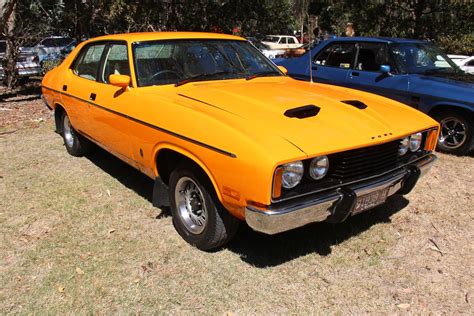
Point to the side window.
(291, 40)
(470, 63)
(87, 66)
(371, 56)
(116, 62)
(340, 55)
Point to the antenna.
(310, 65)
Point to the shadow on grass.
(262, 250)
(31, 90)
(127, 175)
(258, 249)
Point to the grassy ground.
(80, 235)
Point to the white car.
(457, 59)
(281, 42)
(27, 64)
(51, 45)
(467, 65)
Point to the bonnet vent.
(303, 111)
(356, 103)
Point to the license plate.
(370, 200)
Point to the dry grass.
(80, 235)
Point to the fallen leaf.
(136, 280)
(79, 271)
(60, 289)
(108, 192)
(110, 232)
(403, 306)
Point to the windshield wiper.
(202, 76)
(261, 74)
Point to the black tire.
(76, 144)
(453, 124)
(218, 227)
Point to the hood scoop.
(303, 111)
(356, 103)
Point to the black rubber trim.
(411, 180)
(220, 151)
(344, 207)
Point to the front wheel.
(456, 135)
(198, 216)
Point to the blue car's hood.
(450, 86)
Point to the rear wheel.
(198, 216)
(456, 135)
(76, 144)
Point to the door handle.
(64, 87)
(92, 97)
(355, 74)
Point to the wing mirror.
(283, 69)
(385, 69)
(121, 81)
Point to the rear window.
(87, 65)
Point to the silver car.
(27, 64)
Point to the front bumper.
(335, 205)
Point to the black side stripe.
(223, 152)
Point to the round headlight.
(404, 144)
(319, 167)
(292, 174)
(415, 141)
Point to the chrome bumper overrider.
(335, 205)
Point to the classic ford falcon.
(227, 136)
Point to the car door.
(110, 103)
(367, 75)
(80, 81)
(333, 62)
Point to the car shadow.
(255, 248)
(264, 251)
(30, 91)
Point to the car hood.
(457, 87)
(261, 103)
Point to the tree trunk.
(8, 8)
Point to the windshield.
(175, 61)
(420, 58)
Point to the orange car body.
(235, 130)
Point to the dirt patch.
(22, 107)
(79, 235)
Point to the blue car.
(413, 72)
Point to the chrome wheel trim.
(190, 205)
(453, 132)
(68, 132)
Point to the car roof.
(377, 39)
(150, 36)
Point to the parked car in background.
(414, 72)
(281, 42)
(59, 56)
(467, 65)
(457, 59)
(50, 46)
(269, 53)
(27, 64)
(227, 136)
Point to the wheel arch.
(446, 107)
(168, 156)
(59, 110)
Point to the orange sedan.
(227, 136)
